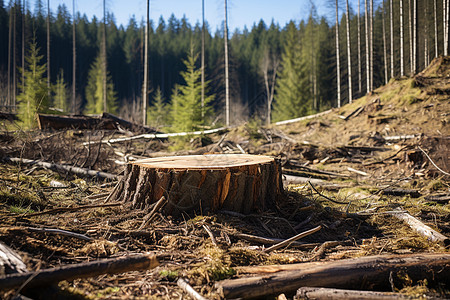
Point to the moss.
(168, 275)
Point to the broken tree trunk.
(337, 294)
(10, 261)
(81, 270)
(371, 272)
(201, 183)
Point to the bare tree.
(410, 25)
(426, 34)
(392, 37)
(145, 87)
(359, 49)
(384, 43)
(402, 71)
(371, 44)
(23, 42)
(269, 66)
(367, 48)
(105, 106)
(227, 87)
(338, 65)
(445, 25)
(11, 16)
(414, 37)
(203, 60)
(74, 60)
(436, 52)
(14, 65)
(48, 50)
(349, 57)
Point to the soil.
(385, 151)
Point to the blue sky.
(240, 12)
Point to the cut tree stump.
(203, 183)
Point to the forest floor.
(347, 171)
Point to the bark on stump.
(203, 183)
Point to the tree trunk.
(319, 293)
(74, 106)
(23, 43)
(436, 50)
(444, 20)
(411, 57)
(371, 44)
(203, 183)
(11, 14)
(367, 48)
(415, 37)
(203, 61)
(349, 58)
(145, 87)
(384, 45)
(392, 37)
(338, 65)
(227, 87)
(105, 105)
(14, 67)
(402, 70)
(359, 50)
(48, 50)
(371, 272)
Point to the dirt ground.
(347, 171)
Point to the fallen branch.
(422, 229)
(268, 241)
(347, 273)
(304, 118)
(357, 172)
(184, 285)
(10, 261)
(337, 294)
(62, 168)
(81, 270)
(156, 136)
(292, 239)
(61, 232)
(66, 209)
(429, 158)
(328, 198)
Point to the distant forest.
(296, 64)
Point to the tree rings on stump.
(203, 183)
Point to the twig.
(61, 209)
(294, 238)
(184, 285)
(357, 171)
(328, 198)
(149, 217)
(61, 232)
(429, 158)
(211, 235)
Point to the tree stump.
(203, 183)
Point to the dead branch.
(327, 293)
(61, 232)
(66, 209)
(269, 241)
(156, 207)
(429, 158)
(292, 239)
(10, 261)
(347, 273)
(81, 270)
(304, 118)
(420, 228)
(62, 168)
(328, 198)
(211, 235)
(183, 284)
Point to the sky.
(240, 12)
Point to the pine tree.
(33, 95)
(186, 110)
(94, 90)
(61, 94)
(292, 97)
(157, 112)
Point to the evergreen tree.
(33, 95)
(157, 112)
(186, 107)
(94, 90)
(292, 98)
(61, 94)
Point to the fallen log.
(104, 122)
(401, 192)
(422, 229)
(337, 294)
(371, 272)
(10, 261)
(62, 168)
(82, 270)
(304, 118)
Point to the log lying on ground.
(368, 273)
(201, 183)
(62, 168)
(105, 121)
(338, 294)
(81, 270)
(422, 229)
(10, 261)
